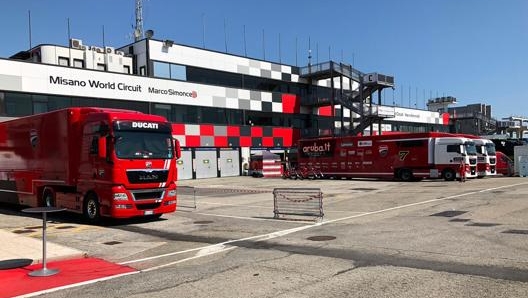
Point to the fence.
(186, 197)
(297, 203)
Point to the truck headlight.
(120, 196)
(171, 193)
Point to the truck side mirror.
(101, 147)
(177, 148)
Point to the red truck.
(95, 161)
(403, 156)
(504, 164)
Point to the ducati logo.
(148, 165)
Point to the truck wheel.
(406, 175)
(449, 175)
(91, 208)
(48, 198)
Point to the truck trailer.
(402, 156)
(95, 161)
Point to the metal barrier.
(295, 203)
(186, 197)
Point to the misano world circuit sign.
(121, 86)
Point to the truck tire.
(48, 198)
(406, 175)
(91, 209)
(449, 175)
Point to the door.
(184, 165)
(206, 163)
(229, 162)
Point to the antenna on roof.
(138, 29)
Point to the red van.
(504, 164)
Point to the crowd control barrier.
(186, 197)
(298, 203)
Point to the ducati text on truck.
(403, 156)
(98, 162)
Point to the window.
(64, 61)
(94, 148)
(40, 107)
(142, 71)
(18, 104)
(162, 110)
(78, 63)
(2, 104)
(58, 102)
(101, 66)
(161, 69)
(453, 148)
(126, 69)
(413, 143)
(82, 102)
(178, 72)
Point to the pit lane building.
(223, 107)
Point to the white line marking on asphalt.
(221, 247)
(75, 285)
(198, 255)
(248, 218)
(256, 238)
(235, 205)
(292, 230)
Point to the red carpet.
(15, 282)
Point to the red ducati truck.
(403, 156)
(95, 161)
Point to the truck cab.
(486, 157)
(127, 166)
(456, 157)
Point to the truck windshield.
(471, 149)
(143, 145)
(490, 148)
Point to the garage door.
(206, 164)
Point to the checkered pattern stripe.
(268, 70)
(192, 56)
(207, 135)
(249, 100)
(241, 99)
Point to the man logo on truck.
(144, 125)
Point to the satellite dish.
(149, 33)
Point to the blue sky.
(474, 50)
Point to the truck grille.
(148, 206)
(150, 194)
(144, 176)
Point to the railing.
(338, 68)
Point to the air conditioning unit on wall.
(109, 50)
(75, 43)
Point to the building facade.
(223, 107)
